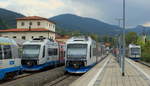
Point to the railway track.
(63, 81)
(144, 63)
(16, 78)
(33, 79)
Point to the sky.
(137, 11)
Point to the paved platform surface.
(107, 73)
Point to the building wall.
(28, 35)
(43, 24)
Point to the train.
(82, 53)
(40, 53)
(10, 62)
(134, 52)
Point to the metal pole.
(123, 57)
(119, 39)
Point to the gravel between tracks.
(63, 81)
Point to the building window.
(41, 37)
(38, 23)
(32, 37)
(22, 23)
(14, 37)
(30, 23)
(23, 37)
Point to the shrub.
(146, 52)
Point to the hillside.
(140, 29)
(8, 18)
(89, 25)
(65, 22)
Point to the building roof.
(34, 18)
(26, 30)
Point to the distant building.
(31, 27)
(62, 38)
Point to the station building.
(31, 27)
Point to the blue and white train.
(81, 54)
(134, 52)
(40, 53)
(10, 63)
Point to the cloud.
(147, 24)
(4, 4)
(43, 8)
(137, 11)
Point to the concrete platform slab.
(107, 73)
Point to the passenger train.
(10, 63)
(81, 54)
(40, 53)
(134, 52)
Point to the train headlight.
(38, 61)
(84, 56)
(85, 63)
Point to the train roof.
(7, 41)
(134, 46)
(84, 39)
(40, 41)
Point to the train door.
(61, 54)
(16, 55)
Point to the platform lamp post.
(123, 57)
(119, 20)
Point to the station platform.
(108, 73)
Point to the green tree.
(95, 37)
(145, 52)
(131, 37)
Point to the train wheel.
(66, 72)
(10, 76)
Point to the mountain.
(67, 22)
(8, 18)
(140, 29)
(89, 25)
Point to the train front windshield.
(135, 51)
(76, 50)
(31, 51)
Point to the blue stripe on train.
(39, 67)
(135, 58)
(8, 70)
(79, 70)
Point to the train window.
(1, 56)
(52, 52)
(43, 51)
(90, 51)
(7, 52)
